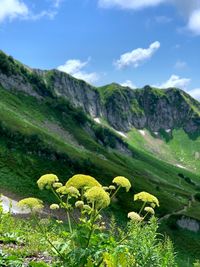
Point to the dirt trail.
(189, 204)
(9, 204)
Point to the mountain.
(52, 122)
(122, 107)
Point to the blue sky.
(131, 42)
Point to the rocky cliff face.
(151, 108)
(78, 92)
(122, 107)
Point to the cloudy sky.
(131, 42)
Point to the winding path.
(190, 201)
(9, 204)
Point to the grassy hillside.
(175, 147)
(42, 136)
(32, 130)
(46, 134)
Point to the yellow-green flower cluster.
(87, 207)
(54, 206)
(112, 187)
(81, 181)
(146, 197)
(98, 196)
(72, 191)
(123, 182)
(149, 210)
(34, 204)
(134, 216)
(105, 188)
(57, 185)
(79, 204)
(47, 180)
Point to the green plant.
(197, 263)
(88, 241)
(38, 264)
(10, 261)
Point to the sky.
(130, 42)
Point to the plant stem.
(93, 217)
(64, 206)
(46, 237)
(142, 207)
(100, 263)
(115, 192)
(145, 215)
(68, 218)
(126, 236)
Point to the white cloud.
(57, 3)
(195, 93)
(129, 4)
(190, 9)
(45, 13)
(75, 67)
(181, 83)
(175, 81)
(194, 22)
(185, 7)
(128, 83)
(137, 56)
(11, 9)
(180, 64)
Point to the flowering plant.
(90, 241)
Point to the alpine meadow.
(96, 171)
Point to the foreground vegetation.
(35, 139)
(84, 238)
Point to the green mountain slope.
(47, 125)
(175, 147)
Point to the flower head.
(105, 188)
(72, 191)
(87, 207)
(47, 180)
(123, 182)
(34, 204)
(112, 187)
(81, 181)
(59, 221)
(57, 185)
(54, 206)
(149, 210)
(134, 216)
(98, 196)
(146, 197)
(79, 204)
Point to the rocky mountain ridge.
(123, 108)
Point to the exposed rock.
(189, 224)
(78, 92)
(122, 107)
(17, 82)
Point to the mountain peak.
(122, 107)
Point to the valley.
(51, 122)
